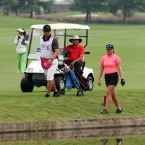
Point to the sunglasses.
(108, 49)
(109, 46)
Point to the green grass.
(16, 106)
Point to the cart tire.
(90, 82)
(60, 84)
(26, 85)
(80, 93)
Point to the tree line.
(19, 6)
(126, 7)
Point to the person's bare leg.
(49, 86)
(109, 91)
(115, 99)
(56, 93)
(54, 87)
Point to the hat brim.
(20, 30)
(46, 30)
(80, 40)
(109, 48)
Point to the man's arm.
(80, 58)
(67, 53)
(55, 48)
(100, 74)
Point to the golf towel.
(71, 80)
(44, 63)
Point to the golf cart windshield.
(62, 32)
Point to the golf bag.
(78, 69)
(84, 84)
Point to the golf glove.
(122, 82)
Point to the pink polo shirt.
(110, 63)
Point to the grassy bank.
(16, 106)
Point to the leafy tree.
(35, 5)
(9, 5)
(87, 6)
(22, 5)
(47, 5)
(113, 6)
(141, 5)
(32, 5)
(0, 3)
(128, 7)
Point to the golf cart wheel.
(60, 84)
(62, 92)
(80, 93)
(90, 82)
(26, 85)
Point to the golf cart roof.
(61, 26)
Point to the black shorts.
(111, 79)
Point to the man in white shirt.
(49, 52)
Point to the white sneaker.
(18, 71)
(22, 71)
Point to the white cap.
(21, 30)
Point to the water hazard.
(127, 135)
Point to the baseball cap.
(109, 46)
(46, 28)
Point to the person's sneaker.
(104, 111)
(56, 94)
(119, 140)
(119, 110)
(18, 71)
(47, 96)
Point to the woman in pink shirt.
(111, 65)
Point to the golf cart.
(34, 75)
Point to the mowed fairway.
(129, 43)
